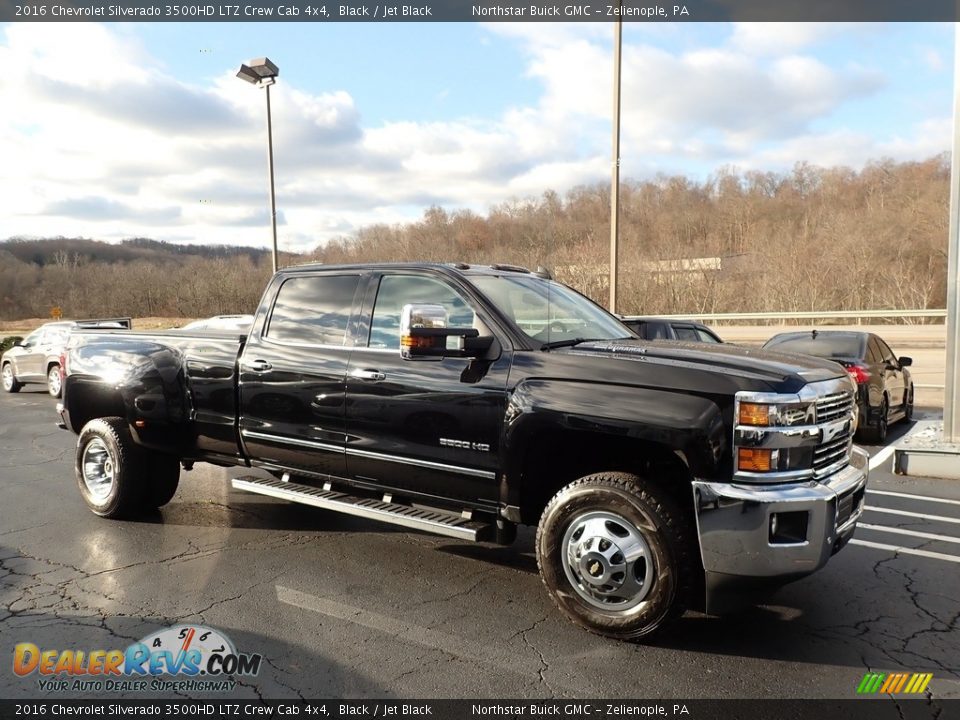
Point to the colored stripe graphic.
(870, 683)
(894, 683)
(914, 682)
(890, 682)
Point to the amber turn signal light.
(753, 414)
(754, 459)
(417, 342)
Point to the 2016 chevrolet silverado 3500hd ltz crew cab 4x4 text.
(466, 400)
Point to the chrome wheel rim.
(98, 468)
(7, 377)
(53, 381)
(608, 561)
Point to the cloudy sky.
(125, 129)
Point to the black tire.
(53, 381)
(10, 383)
(575, 522)
(908, 406)
(877, 434)
(163, 478)
(113, 490)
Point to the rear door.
(292, 374)
(426, 426)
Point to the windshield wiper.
(567, 343)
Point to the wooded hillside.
(812, 239)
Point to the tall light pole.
(615, 172)
(951, 398)
(263, 73)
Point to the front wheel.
(10, 383)
(616, 555)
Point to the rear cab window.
(313, 310)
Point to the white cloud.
(775, 38)
(135, 151)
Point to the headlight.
(775, 414)
(774, 434)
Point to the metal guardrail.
(810, 314)
(851, 314)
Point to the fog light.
(789, 528)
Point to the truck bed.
(169, 377)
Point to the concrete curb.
(922, 452)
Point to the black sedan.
(884, 387)
(653, 328)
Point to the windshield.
(547, 311)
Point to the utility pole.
(951, 391)
(615, 173)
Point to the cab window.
(685, 332)
(313, 310)
(395, 291)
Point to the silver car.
(36, 358)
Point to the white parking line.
(911, 533)
(896, 549)
(944, 501)
(881, 457)
(906, 513)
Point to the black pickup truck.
(660, 476)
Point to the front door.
(28, 361)
(426, 426)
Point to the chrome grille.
(834, 454)
(833, 407)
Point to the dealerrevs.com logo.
(180, 658)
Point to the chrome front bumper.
(738, 546)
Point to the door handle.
(260, 366)
(369, 375)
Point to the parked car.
(884, 385)
(222, 323)
(36, 358)
(653, 328)
(659, 476)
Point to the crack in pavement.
(544, 665)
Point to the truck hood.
(760, 364)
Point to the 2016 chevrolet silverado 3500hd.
(466, 400)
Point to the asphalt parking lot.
(341, 607)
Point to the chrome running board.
(439, 522)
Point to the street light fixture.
(263, 73)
